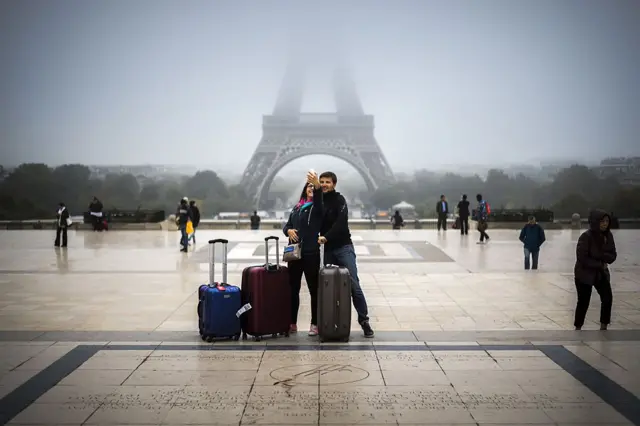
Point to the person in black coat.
(463, 214)
(62, 224)
(302, 227)
(95, 210)
(397, 222)
(255, 221)
(595, 250)
(195, 218)
(183, 215)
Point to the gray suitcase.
(334, 302)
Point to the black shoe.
(183, 251)
(603, 327)
(368, 331)
(578, 328)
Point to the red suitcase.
(266, 288)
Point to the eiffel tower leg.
(255, 175)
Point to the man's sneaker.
(368, 331)
(293, 328)
(313, 330)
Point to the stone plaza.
(105, 332)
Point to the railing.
(273, 224)
(130, 216)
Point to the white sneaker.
(313, 330)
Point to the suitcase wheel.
(257, 338)
(322, 340)
(236, 337)
(286, 334)
(209, 339)
(274, 335)
(203, 337)
(244, 336)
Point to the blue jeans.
(184, 238)
(345, 256)
(534, 257)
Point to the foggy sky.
(166, 82)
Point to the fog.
(449, 82)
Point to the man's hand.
(312, 178)
(322, 240)
(293, 235)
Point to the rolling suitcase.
(266, 289)
(334, 299)
(218, 302)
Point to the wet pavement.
(105, 332)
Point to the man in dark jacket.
(336, 237)
(255, 221)
(195, 218)
(463, 213)
(442, 210)
(95, 210)
(183, 215)
(595, 250)
(532, 236)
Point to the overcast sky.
(451, 81)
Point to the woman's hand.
(293, 235)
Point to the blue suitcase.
(218, 302)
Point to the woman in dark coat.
(595, 250)
(303, 228)
(62, 223)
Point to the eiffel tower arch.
(289, 134)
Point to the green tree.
(120, 192)
(205, 185)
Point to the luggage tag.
(244, 309)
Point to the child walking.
(532, 236)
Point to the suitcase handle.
(212, 262)
(322, 265)
(322, 257)
(219, 240)
(266, 251)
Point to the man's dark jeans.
(345, 256)
(531, 256)
(464, 225)
(184, 238)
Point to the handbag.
(189, 227)
(292, 253)
(69, 221)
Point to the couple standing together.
(321, 216)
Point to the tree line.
(33, 191)
(575, 189)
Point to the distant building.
(625, 169)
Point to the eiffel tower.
(289, 134)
